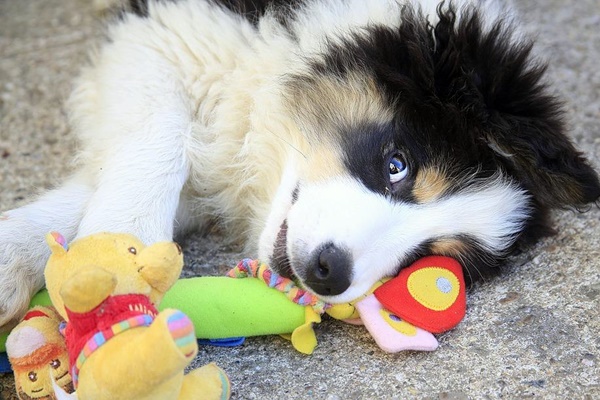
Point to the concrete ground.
(533, 332)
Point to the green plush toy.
(222, 307)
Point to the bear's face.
(137, 268)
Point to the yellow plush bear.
(107, 286)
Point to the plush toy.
(38, 355)
(402, 313)
(107, 286)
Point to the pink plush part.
(354, 321)
(389, 339)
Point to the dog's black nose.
(330, 271)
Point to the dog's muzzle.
(327, 271)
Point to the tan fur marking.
(430, 185)
(322, 164)
(448, 247)
(327, 104)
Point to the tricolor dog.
(340, 139)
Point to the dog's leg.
(134, 116)
(139, 182)
(23, 249)
(138, 191)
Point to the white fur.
(181, 118)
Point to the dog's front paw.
(19, 281)
(22, 259)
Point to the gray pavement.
(533, 332)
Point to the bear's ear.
(57, 243)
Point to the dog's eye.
(398, 168)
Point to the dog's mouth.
(280, 260)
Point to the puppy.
(340, 139)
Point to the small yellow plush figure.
(38, 355)
(108, 286)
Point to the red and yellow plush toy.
(107, 287)
(402, 313)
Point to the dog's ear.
(524, 121)
(528, 134)
(545, 161)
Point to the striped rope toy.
(254, 268)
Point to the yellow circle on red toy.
(434, 287)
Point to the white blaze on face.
(380, 232)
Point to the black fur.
(252, 10)
(139, 7)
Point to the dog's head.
(421, 139)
